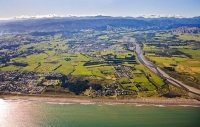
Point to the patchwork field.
(186, 69)
(183, 36)
(100, 59)
(188, 65)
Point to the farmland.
(179, 57)
(101, 59)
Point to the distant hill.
(181, 30)
(98, 23)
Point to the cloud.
(63, 16)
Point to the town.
(25, 82)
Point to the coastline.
(84, 100)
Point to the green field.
(186, 63)
(181, 64)
(69, 57)
(131, 87)
(101, 70)
(182, 37)
(49, 61)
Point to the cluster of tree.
(169, 68)
(171, 95)
(20, 64)
(54, 77)
(9, 46)
(92, 63)
(31, 47)
(67, 59)
(26, 43)
(96, 87)
(76, 87)
(4, 60)
(132, 62)
(117, 61)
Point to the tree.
(77, 87)
(96, 87)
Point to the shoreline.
(83, 100)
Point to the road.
(160, 72)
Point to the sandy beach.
(142, 101)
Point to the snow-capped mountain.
(159, 16)
(34, 17)
(54, 22)
(23, 17)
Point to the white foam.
(60, 103)
(66, 103)
(160, 105)
(111, 104)
(189, 106)
(89, 103)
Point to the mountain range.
(22, 17)
(99, 22)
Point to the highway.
(160, 72)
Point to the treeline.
(120, 61)
(20, 64)
(54, 77)
(44, 33)
(169, 68)
(170, 52)
(57, 67)
(39, 64)
(129, 57)
(92, 63)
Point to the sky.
(186, 8)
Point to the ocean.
(22, 113)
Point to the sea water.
(21, 113)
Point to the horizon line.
(93, 15)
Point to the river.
(1, 33)
(160, 72)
